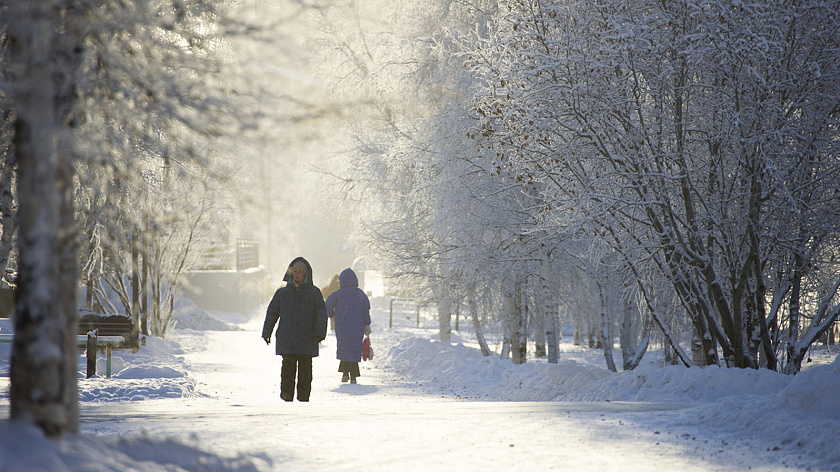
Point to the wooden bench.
(106, 325)
(104, 342)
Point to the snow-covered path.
(386, 423)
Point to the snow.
(207, 399)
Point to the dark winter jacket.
(351, 309)
(300, 316)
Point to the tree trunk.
(793, 322)
(697, 355)
(445, 319)
(135, 291)
(641, 348)
(628, 335)
(144, 294)
(39, 352)
(91, 273)
(505, 349)
(604, 332)
(540, 338)
(549, 312)
(7, 213)
(539, 321)
(552, 331)
(156, 311)
(479, 331)
(516, 325)
(767, 356)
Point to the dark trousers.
(351, 368)
(302, 366)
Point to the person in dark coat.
(349, 307)
(300, 315)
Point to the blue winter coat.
(301, 314)
(351, 309)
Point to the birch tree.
(666, 127)
(42, 373)
(88, 93)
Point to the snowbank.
(456, 366)
(156, 370)
(139, 453)
(801, 411)
(188, 315)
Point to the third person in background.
(349, 307)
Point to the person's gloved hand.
(267, 340)
(367, 330)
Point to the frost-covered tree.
(405, 75)
(42, 376)
(106, 98)
(649, 131)
(435, 207)
(683, 135)
(155, 102)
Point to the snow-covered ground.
(207, 399)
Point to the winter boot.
(352, 379)
(345, 377)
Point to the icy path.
(387, 424)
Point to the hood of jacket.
(348, 278)
(288, 277)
